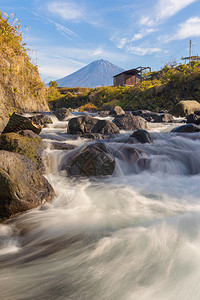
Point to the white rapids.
(134, 235)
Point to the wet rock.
(61, 146)
(187, 128)
(146, 114)
(184, 108)
(22, 187)
(81, 125)
(193, 118)
(165, 117)
(104, 114)
(95, 136)
(153, 116)
(62, 113)
(26, 143)
(130, 122)
(142, 136)
(93, 160)
(87, 124)
(41, 119)
(116, 111)
(105, 127)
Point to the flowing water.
(133, 235)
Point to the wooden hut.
(130, 77)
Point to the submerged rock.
(186, 128)
(130, 122)
(93, 160)
(61, 146)
(142, 136)
(94, 136)
(22, 185)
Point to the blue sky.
(67, 35)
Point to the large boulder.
(27, 143)
(130, 122)
(81, 125)
(187, 128)
(86, 124)
(117, 111)
(105, 127)
(93, 160)
(142, 136)
(22, 187)
(184, 108)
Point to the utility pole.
(190, 52)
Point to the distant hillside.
(97, 73)
(21, 88)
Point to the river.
(134, 235)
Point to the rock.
(30, 134)
(17, 123)
(62, 113)
(81, 125)
(186, 128)
(130, 122)
(94, 160)
(94, 136)
(87, 124)
(61, 146)
(146, 114)
(193, 118)
(41, 119)
(165, 117)
(197, 112)
(31, 147)
(153, 116)
(185, 108)
(142, 136)
(105, 127)
(116, 111)
(103, 114)
(22, 187)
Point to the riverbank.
(133, 234)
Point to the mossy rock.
(22, 187)
(30, 147)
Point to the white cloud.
(62, 29)
(67, 10)
(167, 8)
(188, 29)
(143, 51)
(98, 51)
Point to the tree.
(53, 83)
